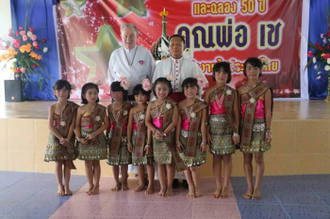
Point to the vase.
(13, 90)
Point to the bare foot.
(68, 192)
(191, 192)
(125, 186)
(224, 193)
(90, 189)
(162, 192)
(248, 194)
(169, 192)
(256, 195)
(139, 188)
(150, 190)
(116, 188)
(217, 193)
(198, 192)
(60, 191)
(95, 190)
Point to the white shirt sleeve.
(111, 73)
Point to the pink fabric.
(88, 127)
(112, 126)
(185, 124)
(259, 112)
(134, 126)
(158, 122)
(215, 109)
(57, 124)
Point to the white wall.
(5, 24)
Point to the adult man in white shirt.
(131, 61)
(178, 66)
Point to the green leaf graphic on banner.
(98, 56)
(136, 6)
(73, 7)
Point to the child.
(60, 148)
(161, 119)
(118, 117)
(223, 125)
(139, 144)
(256, 112)
(191, 134)
(91, 121)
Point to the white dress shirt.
(135, 64)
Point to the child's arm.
(77, 125)
(101, 129)
(207, 101)
(174, 122)
(51, 127)
(203, 130)
(108, 113)
(130, 130)
(177, 135)
(268, 115)
(149, 148)
(236, 117)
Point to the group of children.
(173, 135)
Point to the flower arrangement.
(321, 54)
(24, 49)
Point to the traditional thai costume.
(118, 151)
(164, 150)
(253, 126)
(95, 149)
(139, 140)
(190, 135)
(55, 151)
(221, 122)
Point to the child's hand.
(148, 149)
(159, 135)
(203, 146)
(179, 146)
(236, 139)
(129, 147)
(268, 137)
(83, 141)
(209, 139)
(90, 136)
(64, 142)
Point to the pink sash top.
(158, 122)
(215, 109)
(260, 109)
(134, 126)
(185, 124)
(87, 115)
(113, 124)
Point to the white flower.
(4, 44)
(45, 50)
(192, 115)
(29, 34)
(142, 116)
(314, 60)
(125, 113)
(266, 61)
(168, 106)
(327, 68)
(63, 123)
(228, 92)
(252, 100)
(328, 60)
(97, 118)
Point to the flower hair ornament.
(146, 85)
(233, 66)
(265, 62)
(97, 82)
(170, 77)
(200, 81)
(124, 83)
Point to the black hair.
(177, 35)
(84, 90)
(59, 84)
(255, 62)
(138, 89)
(189, 82)
(115, 86)
(226, 68)
(165, 81)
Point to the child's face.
(117, 95)
(91, 95)
(190, 91)
(252, 72)
(221, 76)
(141, 98)
(62, 94)
(162, 90)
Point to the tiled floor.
(32, 195)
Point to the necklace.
(159, 110)
(221, 99)
(130, 64)
(139, 115)
(59, 109)
(188, 111)
(91, 109)
(250, 88)
(116, 115)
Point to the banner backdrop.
(89, 31)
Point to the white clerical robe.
(135, 64)
(181, 68)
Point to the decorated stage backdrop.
(89, 31)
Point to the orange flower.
(25, 48)
(163, 13)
